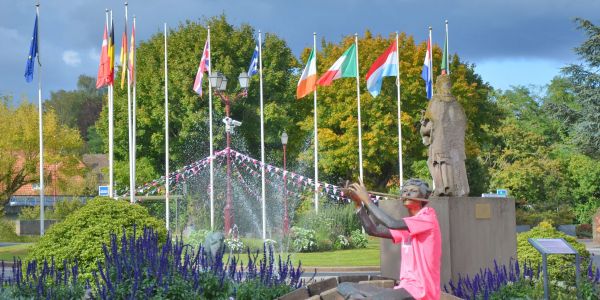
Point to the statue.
(213, 244)
(443, 128)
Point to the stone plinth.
(596, 227)
(475, 231)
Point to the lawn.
(7, 253)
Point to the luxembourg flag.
(203, 67)
(427, 70)
(385, 65)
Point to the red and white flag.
(203, 67)
(104, 67)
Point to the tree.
(584, 117)
(338, 133)
(79, 108)
(232, 48)
(19, 148)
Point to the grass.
(364, 257)
(7, 253)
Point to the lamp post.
(218, 82)
(286, 220)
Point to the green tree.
(338, 132)
(79, 108)
(231, 48)
(584, 116)
(19, 148)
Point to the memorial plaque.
(552, 246)
(483, 211)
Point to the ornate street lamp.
(218, 82)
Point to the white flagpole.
(131, 187)
(110, 135)
(360, 160)
(133, 112)
(447, 50)
(41, 122)
(400, 174)
(316, 150)
(262, 139)
(210, 126)
(431, 61)
(166, 133)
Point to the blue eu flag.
(33, 52)
(253, 69)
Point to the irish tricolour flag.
(307, 82)
(345, 66)
(385, 65)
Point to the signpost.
(555, 246)
(103, 191)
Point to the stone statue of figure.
(213, 244)
(443, 128)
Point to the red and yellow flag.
(111, 55)
(132, 54)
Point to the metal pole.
(41, 123)
(210, 142)
(129, 127)
(577, 274)
(400, 174)
(286, 221)
(166, 133)
(316, 150)
(133, 109)
(228, 153)
(545, 270)
(447, 49)
(262, 141)
(360, 160)
(111, 182)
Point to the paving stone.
(353, 278)
(321, 286)
(331, 294)
(298, 294)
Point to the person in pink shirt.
(420, 238)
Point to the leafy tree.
(232, 48)
(19, 148)
(584, 115)
(338, 133)
(79, 108)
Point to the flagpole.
(110, 134)
(400, 174)
(131, 188)
(316, 132)
(431, 61)
(41, 121)
(360, 158)
(133, 109)
(262, 138)
(447, 50)
(210, 126)
(166, 133)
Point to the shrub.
(234, 245)
(303, 240)
(332, 221)
(81, 235)
(33, 213)
(564, 215)
(7, 231)
(560, 267)
(64, 208)
(358, 239)
(341, 243)
(197, 237)
(584, 231)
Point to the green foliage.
(583, 118)
(64, 208)
(560, 267)
(560, 216)
(254, 289)
(19, 149)
(303, 240)
(534, 289)
(341, 242)
(33, 213)
(332, 221)
(7, 231)
(358, 239)
(81, 235)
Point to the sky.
(510, 42)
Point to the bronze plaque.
(483, 211)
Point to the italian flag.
(345, 66)
(308, 80)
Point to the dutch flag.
(427, 70)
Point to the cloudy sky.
(511, 42)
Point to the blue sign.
(103, 190)
(501, 193)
